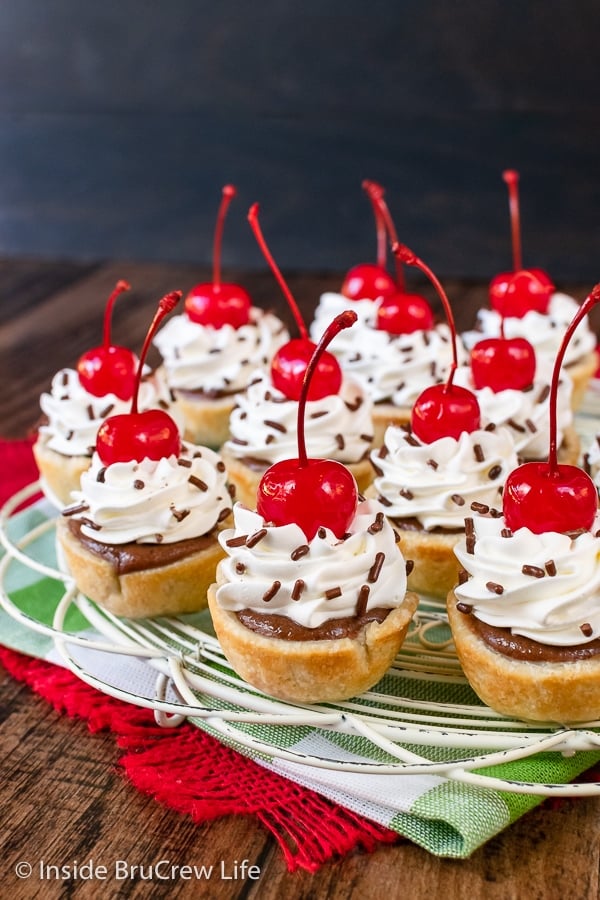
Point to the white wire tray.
(422, 718)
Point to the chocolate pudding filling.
(202, 394)
(281, 627)
(134, 557)
(523, 648)
(413, 524)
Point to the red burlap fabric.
(163, 763)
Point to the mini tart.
(569, 451)
(59, 474)
(205, 420)
(385, 414)
(312, 671)
(170, 589)
(246, 478)
(435, 570)
(581, 373)
(563, 692)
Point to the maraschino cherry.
(290, 362)
(513, 294)
(442, 410)
(371, 281)
(219, 303)
(109, 369)
(401, 312)
(553, 496)
(311, 493)
(503, 363)
(151, 434)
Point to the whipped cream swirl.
(436, 483)
(264, 423)
(153, 501)
(526, 414)
(544, 331)
(312, 582)
(393, 368)
(199, 357)
(542, 586)
(74, 415)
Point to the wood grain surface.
(61, 793)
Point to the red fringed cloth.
(163, 763)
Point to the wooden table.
(62, 797)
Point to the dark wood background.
(120, 121)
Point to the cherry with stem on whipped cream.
(553, 496)
(513, 294)
(371, 281)
(442, 410)
(290, 361)
(503, 363)
(109, 369)
(151, 434)
(401, 312)
(218, 303)
(312, 493)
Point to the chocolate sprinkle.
(478, 451)
(550, 567)
(463, 576)
(506, 533)
(299, 586)
(494, 587)
(586, 629)
(375, 569)
(322, 533)
(534, 571)
(404, 492)
(377, 525)
(410, 564)
(276, 425)
(268, 595)
(240, 568)
(465, 608)
(186, 463)
(543, 395)
(432, 463)
(100, 477)
(299, 552)
(495, 471)
(332, 593)
(470, 535)
(239, 541)
(73, 510)
(180, 514)
(456, 498)
(139, 484)
(253, 539)
(197, 482)
(363, 598)
(223, 514)
(478, 507)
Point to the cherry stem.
(343, 320)
(511, 177)
(375, 193)
(229, 193)
(402, 252)
(369, 187)
(254, 224)
(165, 306)
(119, 288)
(588, 303)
